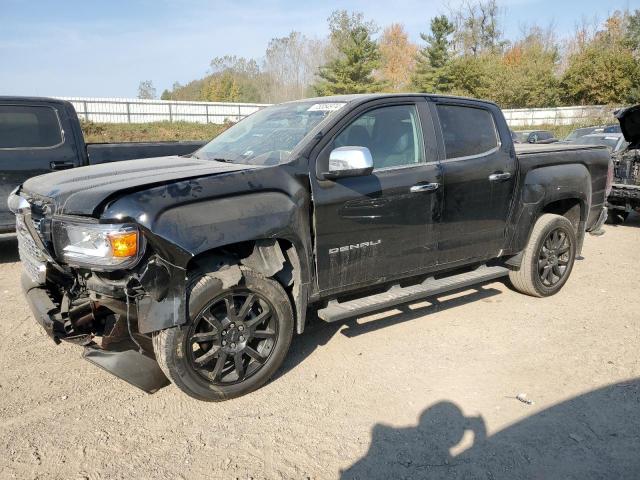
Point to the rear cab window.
(24, 127)
(467, 131)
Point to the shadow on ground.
(8, 249)
(595, 435)
(318, 333)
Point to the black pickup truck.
(201, 268)
(40, 135)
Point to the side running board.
(336, 311)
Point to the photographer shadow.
(594, 435)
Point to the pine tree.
(352, 70)
(430, 73)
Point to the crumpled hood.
(629, 119)
(80, 190)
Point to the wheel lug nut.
(224, 332)
(241, 338)
(224, 342)
(241, 328)
(232, 325)
(233, 345)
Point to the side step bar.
(336, 311)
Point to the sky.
(105, 48)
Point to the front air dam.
(129, 365)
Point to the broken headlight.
(96, 246)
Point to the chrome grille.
(33, 260)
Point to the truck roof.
(358, 97)
(19, 99)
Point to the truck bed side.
(115, 152)
(555, 173)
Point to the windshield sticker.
(325, 107)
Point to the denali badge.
(354, 246)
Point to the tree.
(473, 76)
(430, 74)
(397, 58)
(291, 64)
(357, 56)
(526, 76)
(632, 33)
(146, 90)
(602, 74)
(477, 28)
(605, 70)
(343, 23)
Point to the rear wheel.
(548, 259)
(234, 341)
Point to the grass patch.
(176, 131)
(149, 132)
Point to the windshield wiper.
(225, 160)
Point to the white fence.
(559, 116)
(128, 110)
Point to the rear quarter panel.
(552, 174)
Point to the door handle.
(61, 165)
(499, 177)
(424, 187)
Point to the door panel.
(373, 227)
(32, 142)
(478, 176)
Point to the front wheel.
(234, 341)
(548, 259)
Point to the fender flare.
(543, 186)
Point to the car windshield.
(268, 136)
(609, 142)
(579, 132)
(522, 137)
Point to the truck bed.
(114, 152)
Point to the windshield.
(579, 132)
(268, 136)
(522, 137)
(609, 142)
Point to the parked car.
(613, 128)
(625, 194)
(535, 136)
(39, 135)
(581, 132)
(615, 142)
(201, 268)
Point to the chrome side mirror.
(349, 162)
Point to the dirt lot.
(426, 392)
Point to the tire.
(544, 271)
(262, 330)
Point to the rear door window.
(467, 131)
(29, 127)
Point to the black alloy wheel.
(231, 339)
(554, 257)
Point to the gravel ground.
(423, 392)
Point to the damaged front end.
(111, 309)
